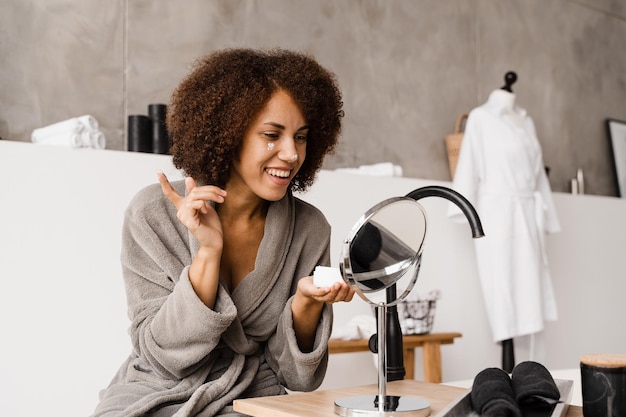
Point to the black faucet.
(453, 196)
(395, 353)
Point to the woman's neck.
(237, 207)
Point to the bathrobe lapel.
(259, 283)
(255, 297)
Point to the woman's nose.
(289, 157)
(288, 151)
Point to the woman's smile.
(281, 173)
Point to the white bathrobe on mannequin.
(501, 172)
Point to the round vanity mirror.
(380, 261)
(383, 251)
(384, 248)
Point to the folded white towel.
(85, 139)
(96, 140)
(383, 169)
(89, 122)
(73, 140)
(73, 125)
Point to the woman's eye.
(271, 135)
(300, 138)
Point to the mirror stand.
(382, 250)
(381, 404)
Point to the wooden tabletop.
(322, 403)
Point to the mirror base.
(367, 405)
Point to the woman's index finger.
(168, 190)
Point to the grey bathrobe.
(190, 360)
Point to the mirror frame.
(415, 262)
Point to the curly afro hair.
(211, 109)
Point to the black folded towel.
(533, 384)
(492, 394)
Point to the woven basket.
(453, 142)
(416, 317)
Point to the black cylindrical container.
(603, 384)
(139, 133)
(160, 139)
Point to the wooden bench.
(431, 351)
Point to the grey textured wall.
(407, 68)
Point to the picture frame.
(616, 130)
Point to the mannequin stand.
(508, 355)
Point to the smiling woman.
(218, 267)
(228, 89)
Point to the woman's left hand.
(339, 291)
(307, 306)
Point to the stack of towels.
(77, 132)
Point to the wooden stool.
(431, 351)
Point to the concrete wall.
(407, 67)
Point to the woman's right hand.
(202, 220)
(195, 212)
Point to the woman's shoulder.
(309, 212)
(151, 199)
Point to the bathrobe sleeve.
(171, 329)
(299, 371)
(547, 217)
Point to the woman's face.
(273, 149)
